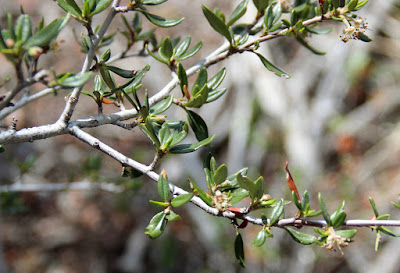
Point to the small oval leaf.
(181, 199)
(220, 174)
(216, 23)
(272, 68)
(276, 213)
(161, 21)
(302, 238)
(260, 239)
(198, 125)
(163, 186)
(239, 251)
(189, 148)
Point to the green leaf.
(276, 213)
(260, 238)
(163, 186)
(161, 21)
(378, 240)
(127, 74)
(268, 203)
(2, 149)
(215, 94)
(272, 15)
(195, 102)
(216, 23)
(172, 216)
(220, 174)
(363, 37)
(238, 195)
(272, 68)
(361, 4)
(389, 232)
(162, 106)
(86, 10)
(247, 184)
(302, 238)
(306, 45)
(155, 56)
(239, 11)
(372, 202)
(179, 137)
(166, 50)
(107, 77)
(182, 48)
(189, 148)
(181, 72)
(189, 53)
(24, 28)
(312, 213)
(156, 226)
(10, 27)
(338, 219)
(199, 97)
(319, 30)
(204, 196)
(296, 201)
(153, 2)
(348, 233)
(395, 204)
(209, 173)
(165, 136)
(383, 217)
(217, 79)
(44, 36)
(201, 79)
(324, 210)
(259, 187)
(138, 78)
(181, 199)
(100, 6)
(239, 251)
(105, 56)
(71, 7)
(148, 129)
(261, 5)
(159, 204)
(306, 200)
(77, 80)
(159, 228)
(338, 210)
(198, 125)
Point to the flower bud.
(35, 51)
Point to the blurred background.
(335, 121)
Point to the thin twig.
(73, 99)
(26, 100)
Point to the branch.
(20, 86)
(27, 99)
(73, 99)
(175, 190)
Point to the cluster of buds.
(335, 240)
(221, 201)
(355, 28)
